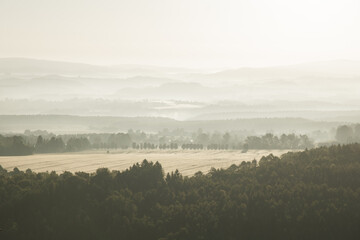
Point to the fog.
(180, 60)
(324, 91)
(187, 33)
(179, 119)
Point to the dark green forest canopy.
(312, 194)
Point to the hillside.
(78, 124)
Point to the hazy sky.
(193, 33)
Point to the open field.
(187, 162)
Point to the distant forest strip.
(29, 144)
(44, 142)
(312, 194)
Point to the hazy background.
(187, 33)
(185, 60)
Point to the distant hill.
(77, 124)
(327, 68)
(173, 90)
(328, 116)
(282, 88)
(28, 65)
(36, 66)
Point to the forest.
(41, 141)
(313, 194)
(30, 143)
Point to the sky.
(184, 33)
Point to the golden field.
(187, 162)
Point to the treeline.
(14, 146)
(285, 141)
(57, 145)
(193, 146)
(50, 143)
(144, 145)
(348, 133)
(312, 194)
(26, 145)
(17, 145)
(228, 141)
